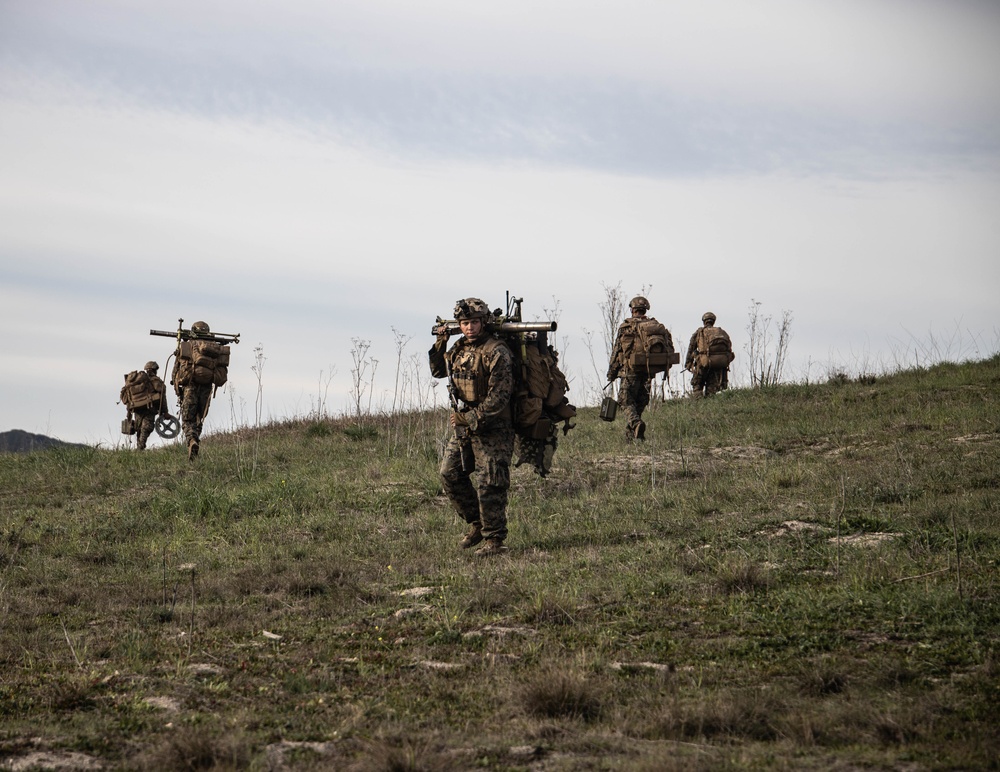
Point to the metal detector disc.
(167, 426)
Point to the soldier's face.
(471, 328)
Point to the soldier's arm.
(436, 357)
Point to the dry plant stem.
(921, 576)
(258, 369)
(840, 516)
(79, 664)
(191, 626)
(958, 555)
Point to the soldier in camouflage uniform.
(707, 378)
(194, 398)
(145, 417)
(480, 374)
(633, 392)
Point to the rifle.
(181, 334)
(460, 431)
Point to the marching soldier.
(145, 396)
(201, 365)
(643, 347)
(480, 374)
(708, 357)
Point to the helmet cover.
(472, 308)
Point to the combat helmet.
(639, 302)
(708, 317)
(472, 308)
(200, 327)
(151, 365)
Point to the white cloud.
(871, 55)
(303, 230)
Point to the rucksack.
(647, 347)
(715, 349)
(538, 402)
(139, 390)
(203, 362)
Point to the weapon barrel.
(218, 337)
(454, 329)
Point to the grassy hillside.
(804, 577)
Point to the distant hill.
(18, 441)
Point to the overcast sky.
(311, 174)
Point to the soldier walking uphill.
(200, 367)
(145, 396)
(643, 347)
(480, 374)
(708, 357)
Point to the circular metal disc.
(167, 426)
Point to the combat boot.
(472, 538)
(491, 547)
(640, 430)
(192, 449)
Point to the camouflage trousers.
(194, 408)
(144, 418)
(706, 381)
(633, 398)
(488, 454)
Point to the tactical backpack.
(715, 349)
(202, 362)
(139, 390)
(647, 347)
(538, 402)
(540, 389)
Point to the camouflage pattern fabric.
(633, 392)
(633, 398)
(145, 418)
(488, 454)
(538, 453)
(194, 408)
(705, 381)
(488, 444)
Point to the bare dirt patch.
(54, 760)
(864, 539)
(793, 528)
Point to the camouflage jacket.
(482, 377)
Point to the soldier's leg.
(641, 403)
(143, 427)
(628, 406)
(713, 381)
(493, 455)
(190, 419)
(697, 382)
(457, 483)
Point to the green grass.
(799, 577)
